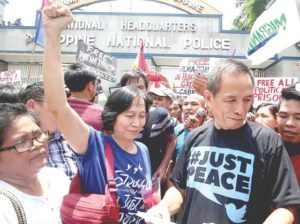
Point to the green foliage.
(250, 10)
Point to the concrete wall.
(187, 35)
(178, 37)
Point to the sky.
(26, 9)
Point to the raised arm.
(75, 131)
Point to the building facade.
(168, 38)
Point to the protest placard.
(97, 61)
(268, 89)
(183, 80)
(11, 78)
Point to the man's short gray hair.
(222, 66)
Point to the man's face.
(265, 117)
(138, 83)
(162, 101)
(288, 121)
(175, 110)
(191, 105)
(234, 99)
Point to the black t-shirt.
(234, 176)
(293, 149)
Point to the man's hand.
(160, 211)
(192, 122)
(199, 82)
(55, 19)
(282, 216)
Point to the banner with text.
(274, 30)
(269, 89)
(183, 81)
(11, 78)
(97, 61)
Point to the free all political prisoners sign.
(11, 78)
(269, 89)
(183, 81)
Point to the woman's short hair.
(118, 102)
(8, 113)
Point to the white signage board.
(183, 80)
(11, 78)
(268, 89)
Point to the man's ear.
(90, 85)
(208, 97)
(276, 116)
(30, 104)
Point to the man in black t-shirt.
(231, 170)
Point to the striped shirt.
(61, 155)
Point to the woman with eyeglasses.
(28, 191)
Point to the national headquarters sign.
(189, 6)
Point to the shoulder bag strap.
(145, 155)
(109, 162)
(18, 208)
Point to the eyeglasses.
(25, 145)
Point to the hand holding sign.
(199, 81)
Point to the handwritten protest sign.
(269, 89)
(11, 78)
(183, 80)
(96, 60)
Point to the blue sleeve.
(146, 158)
(91, 165)
(178, 128)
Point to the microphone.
(200, 112)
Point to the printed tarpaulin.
(276, 29)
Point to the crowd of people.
(214, 162)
